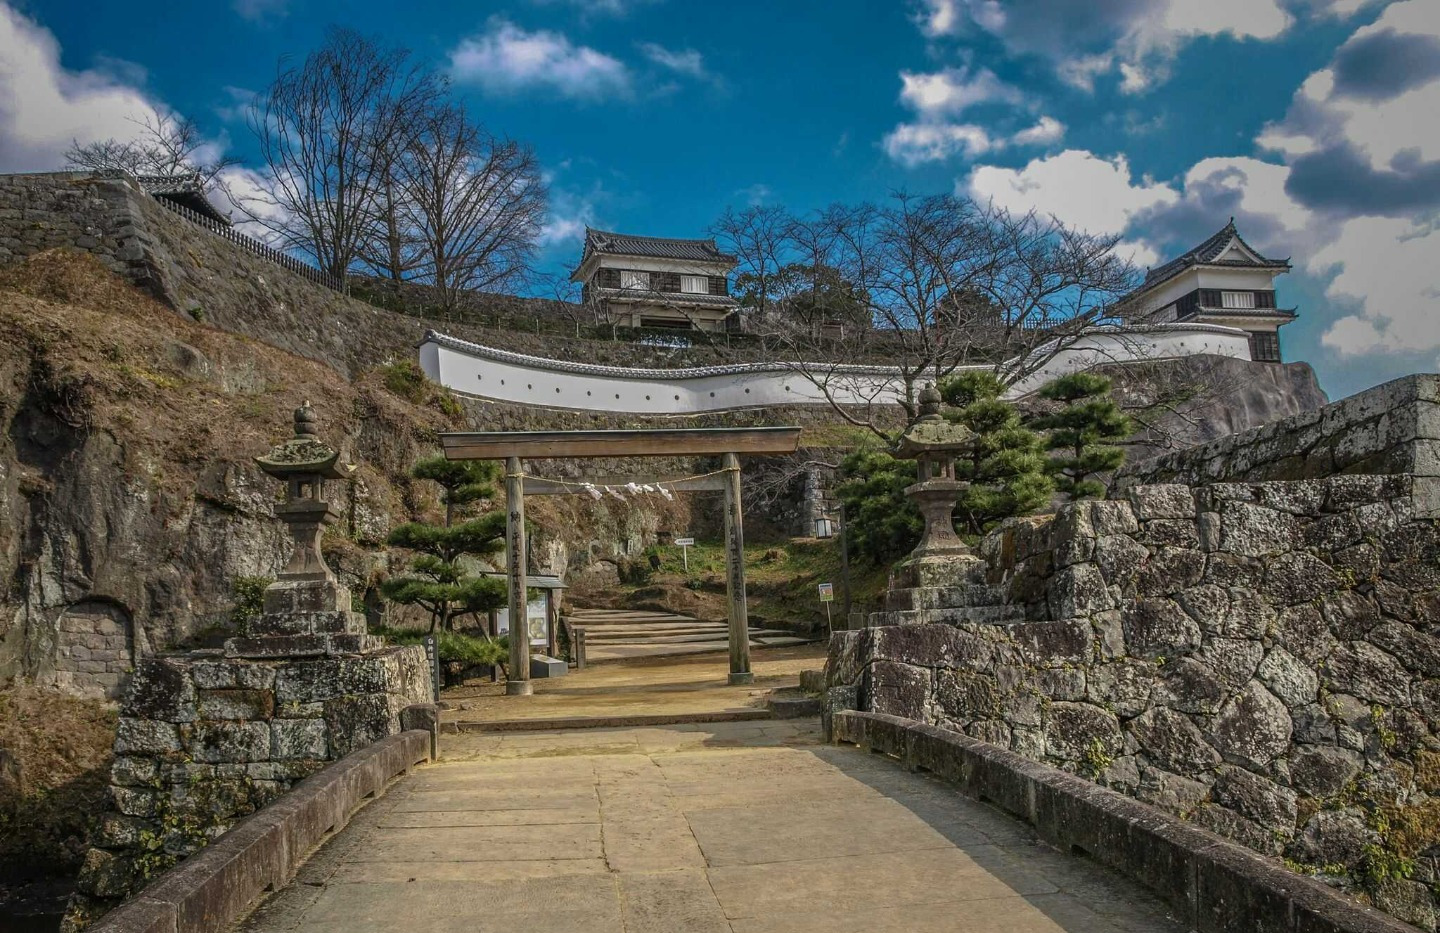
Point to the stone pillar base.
(519, 688)
(740, 678)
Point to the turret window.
(629, 278)
(695, 284)
(1237, 300)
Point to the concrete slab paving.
(707, 829)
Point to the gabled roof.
(185, 190)
(624, 244)
(1210, 253)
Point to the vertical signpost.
(685, 544)
(432, 654)
(518, 683)
(827, 596)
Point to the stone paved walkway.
(731, 827)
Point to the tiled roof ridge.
(591, 231)
(1206, 253)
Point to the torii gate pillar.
(735, 574)
(516, 563)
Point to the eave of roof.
(652, 247)
(666, 298)
(1207, 255)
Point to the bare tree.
(945, 282)
(166, 145)
(329, 130)
(758, 237)
(474, 202)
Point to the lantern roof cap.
(305, 452)
(931, 433)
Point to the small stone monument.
(306, 610)
(206, 736)
(934, 443)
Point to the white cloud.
(600, 7)
(1044, 133)
(259, 10)
(938, 99)
(681, 61)
(506, 59)
(1386, 267)
(1323, 114)
(1136, 39)
(44, 106)
(912, 144)
(951, 92)
(1083, 190)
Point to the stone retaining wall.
(203, 740)
(1213, 885)
(1258, 658)
(1392, 428)
(212, 890)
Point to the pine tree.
(883, 523)
(1083, 433)
(1006, 468)
(438, 581)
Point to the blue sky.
(1314, 122)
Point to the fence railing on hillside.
(252, 245)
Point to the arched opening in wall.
(94, 649)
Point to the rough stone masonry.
(208, 737)
(1261, 658)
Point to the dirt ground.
(648, 686)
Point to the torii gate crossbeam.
(514, 447)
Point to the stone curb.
(1215, 885)
(606, 722)
(208, 891)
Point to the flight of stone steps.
(945, 594)
(613, 634)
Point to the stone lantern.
(934, 443)
(306, 610)
(303, 464)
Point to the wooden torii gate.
(515, 447)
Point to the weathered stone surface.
(1190, 686)
(1124, 684)
(1162, 501)
(962, 695)
(1334, 837)
(1416, 650)
(1232, 660)
(1256, 798)
(1323, 770)
(1289, 678)
(1174, 741)
(145, 737)
(236, 704)
(1076, 591)
(1078, 730)
(1119, 558)
(1361, 669)
(1169, 791)
(238, 742)
(1296, 578)
(1159, 628)
(298, 738)
(1170, 570)
(1253, 727)
(161, 690)
(1254, 531)
(1233, 826)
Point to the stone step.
(974, 614)
(720, 634)
(610, 631)
(945, 597)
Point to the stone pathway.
(615, 634)
(733, 827)
(676, 686)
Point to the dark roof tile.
(624, 244)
